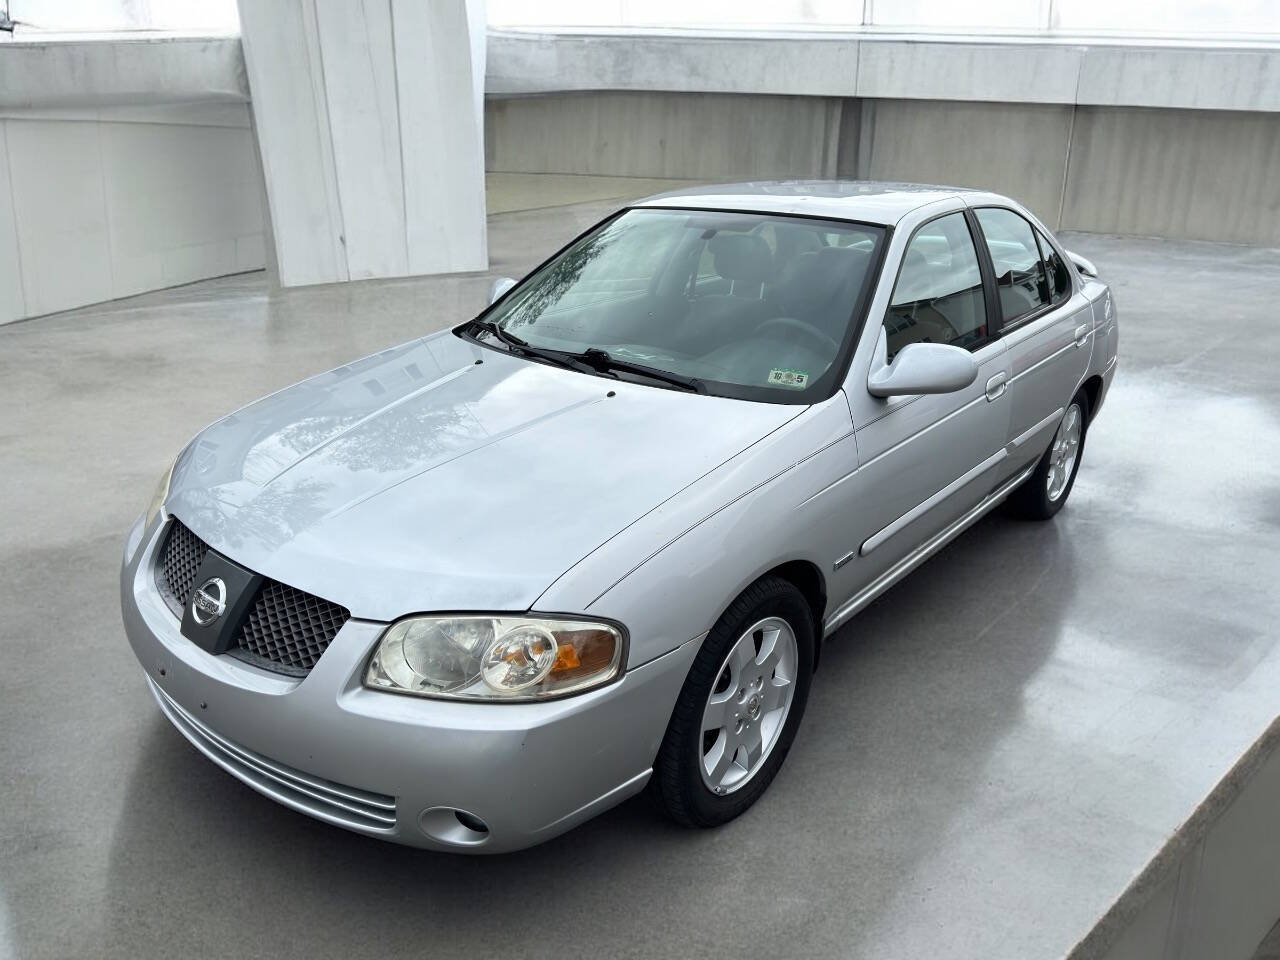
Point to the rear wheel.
(1046, 490)
(739, 708)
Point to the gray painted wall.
(1200, 174)
(1018, 149)
(1209, 175)
(691, 136)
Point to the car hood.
(440, 475)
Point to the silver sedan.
(475, 589)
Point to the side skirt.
(922, 553)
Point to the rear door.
(1045, 324)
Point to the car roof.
(870, 201)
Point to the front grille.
(291, 628)
(286, 630)
(181, 556)
(349, 806)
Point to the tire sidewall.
(771, 597)
(1032, 499)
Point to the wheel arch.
(1092, 388)
(806, 577)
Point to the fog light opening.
(471, 822)
(457, 828)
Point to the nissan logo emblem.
(209, 601)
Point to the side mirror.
(500, 287)
(922, 368)
(1084, 265)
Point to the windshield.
(748, 305)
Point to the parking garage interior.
(1051, 740)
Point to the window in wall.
(1252, 18)
(1055, 270)
(967, 14)
(112, 16)
(667, 13)
(938, 295)
(1020, 278)
(1187, 17)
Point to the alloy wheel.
(748, 705)
(1063, 453)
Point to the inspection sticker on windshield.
(796, 379)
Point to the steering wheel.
(790, 324)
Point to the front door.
(926, 460)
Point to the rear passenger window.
(1020, 277)
(938, 296)
(1055, 270)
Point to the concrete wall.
(1211, 890)
(1212, 175)
(134, 157)
(1200, 174)
(690, 136)
(124, 69)
(102, 203)
(125, 165)
(1036, 68)
(1018, 149)
(1168, 137)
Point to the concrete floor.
(992, 750)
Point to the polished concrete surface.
(992, 751)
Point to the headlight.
(495, 658)
(159, 497)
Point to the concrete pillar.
(369, 116)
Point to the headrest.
(810, 282)
(794, 240)
(742, 256)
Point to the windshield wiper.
(593, 359)
(515, 344)
(604, 361)
(499, 334)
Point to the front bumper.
(388, 765)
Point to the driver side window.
(938, 295)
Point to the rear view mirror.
(499, 288)
(923, 368)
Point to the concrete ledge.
(520, 62)
(1028, 69)
(114, 70)
(1214, 79)
(1212, 890)
(931, 70)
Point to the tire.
(764, 638)
(1044, 493)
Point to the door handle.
(1082, 334)
(997, 385)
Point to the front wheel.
(739, 708)
(1047, 489)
